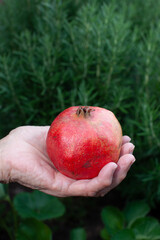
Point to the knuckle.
(103, 183)
(108, 183)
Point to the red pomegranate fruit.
(81, 140)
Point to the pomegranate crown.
(84, 111)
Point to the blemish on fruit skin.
(87, 164)
(54, 136)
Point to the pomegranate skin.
(82, 140)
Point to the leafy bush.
(131, 224)
(24, 219)
(54, 54)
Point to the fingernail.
(133, 161)
(132, 149)
(115, 166)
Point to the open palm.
(28, 164)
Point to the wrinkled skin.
(23, 159)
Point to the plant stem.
(98, 68)
(112, 62)
(85, 65)
(16, 100)
(14, 216)
(153, 132)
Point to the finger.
(124, 164)
(127, 148)
(44, 130)
(91, 187)
(125, 139)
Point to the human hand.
(24, 160)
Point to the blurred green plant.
(78, 234)
(130, 224)
(24, 217)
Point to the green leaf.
(135, 210)
(33, 229)
(146, 228)
(78, 234)
(38, 205)
(124, 234)
(113, 219)
(2, 191)
(104, 234)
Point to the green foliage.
(38, 205)
(125, 234)
(33, 229)
(135, 210)
(147, 228)
(133, 224)
(78, 234)
(23, 218)
(113, 219)
(2, 192)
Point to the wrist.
(4, 168)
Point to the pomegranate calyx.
(84, 111)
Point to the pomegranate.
(81, 140)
